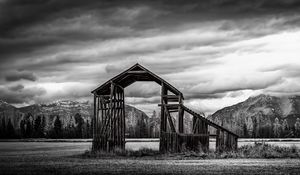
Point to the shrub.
(268, 151)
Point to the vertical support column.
(218, 140)
(98, 118)
(118, 118)
(94, 125)
(235, 143)
(163, 115)
(123, 120)
(163, 120)
(180, 115)
(109, 142)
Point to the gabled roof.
(135, 73)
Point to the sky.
(217, 52)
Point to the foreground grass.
(247, 151)
(62, 158)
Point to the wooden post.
(123, 119)
(180, 115)
(218, 140)
(94, 146)
(110, 116)
(235, 143)
(163, 121)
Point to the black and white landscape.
(232, 66)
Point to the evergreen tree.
(3, 128)
(270, 130)
(285, 129)
(43, 126)
(245, 131)
(10, 130)
(88, 129)
(57, 128)
(265, 131)
(142, 128)
(79, 125)
(277, 128)
(28, 130)
(23, 128)
(153, 119)
(91, 129)
(254, 132)
(297, 128)
(38, 128)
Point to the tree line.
(30, 127)
(278, 129)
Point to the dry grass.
(62, 158)
(247, 151)
(122, 153)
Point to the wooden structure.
(109, 117)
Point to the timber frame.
(109, 117)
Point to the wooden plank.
(171, 98)
(218, 140)
(94, 146)
(180, 116)
(123, 120)
(137, 72)
(195, 125)
(170, 120)
(173, 110)
(206, 120)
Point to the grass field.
(64, 158)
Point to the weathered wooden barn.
(109, 117)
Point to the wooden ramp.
(109, 117)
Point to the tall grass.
(259, 151)
(247, 151)
(122, 153)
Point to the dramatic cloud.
(18, 87)
(21, 95)
(15, 76)
(217, 52)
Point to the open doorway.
(142, 116)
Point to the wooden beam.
(180, 116)
(170, 106)
(94, 125)
(208, 121)
(137, 72)
(173, 110)
(195, 126)
(172, 98)
(170, 120)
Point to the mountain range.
(136, 120)
(259, 116)
(262, 116)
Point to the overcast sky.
(217, 52)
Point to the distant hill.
(262, 116)
(70, 114)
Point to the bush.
(268, 151)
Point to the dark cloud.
(27, 26)
(20, 95)
(18, 87)
(19, 75)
